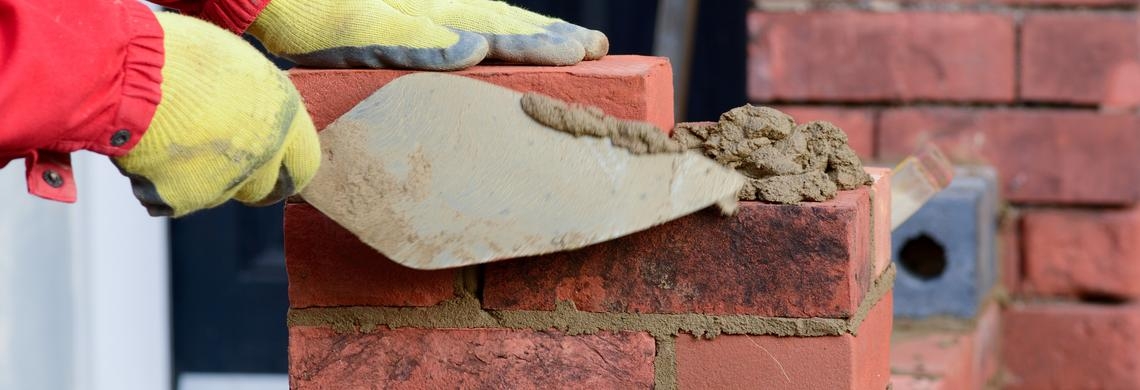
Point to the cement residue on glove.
(784, 162)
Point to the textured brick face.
(630, 87)
(862, 57)
(811, 260)
(1078, 58)
(328, 267)
(1082, 252)
(1071, 346)
(468, 358)
(1042, 156)
(769, 362)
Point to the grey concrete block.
(945, 253)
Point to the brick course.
(1042, 156)
(851, 56)
(767, 362)
(706, 263)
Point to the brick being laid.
(627, 87)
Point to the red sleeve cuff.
(141, 85)
(139, 90)
(233, 15)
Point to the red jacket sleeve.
(233, 15)
(74, 74)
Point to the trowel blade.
(439, 171)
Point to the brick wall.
(1046, 91)
(776, 297)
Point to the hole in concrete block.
(923, 257)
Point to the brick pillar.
(774, 297)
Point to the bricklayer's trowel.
(438, 171)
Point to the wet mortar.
(785, 162)
(635, 136)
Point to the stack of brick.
(1044, 91)
(776, 297)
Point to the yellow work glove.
(230, 126)
(419, 34)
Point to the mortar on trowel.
(481, 177)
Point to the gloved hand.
(230, 126)
(419, 34)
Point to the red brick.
(1082, 252)
(1123, 91)
(1042, 156)
(769, 362)
(857, 123)
(948, 360)
(881, 217)
(319, 358)
(630, 87)
(796, 5)
(1068, 2)
(1071, 346)
(1009, 250)
(1059, 65)
(810, 260)
(328, 266)
(862, 57)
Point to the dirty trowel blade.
(439, 171)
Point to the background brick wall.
(1046, 91)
